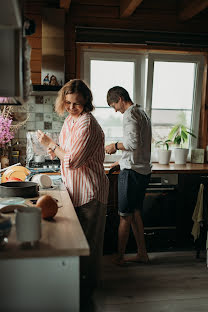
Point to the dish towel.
(197, 216)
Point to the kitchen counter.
(45, 277)
(172, 168)
(63, 236)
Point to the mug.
(28, 223)
(43, 180)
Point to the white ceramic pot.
(181, 156)
(164, 156)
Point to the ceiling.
(185, 9)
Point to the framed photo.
(197, 156)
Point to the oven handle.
(160, 189)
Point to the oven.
(159, 212)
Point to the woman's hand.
(44, 139)
(51, 153)
(110, 149)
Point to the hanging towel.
(197, 216)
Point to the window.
(174, 94)
(167, 86)
(104, 70)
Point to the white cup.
(43, 180)
(28, 224)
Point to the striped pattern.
(82, 169)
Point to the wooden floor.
(172, 282)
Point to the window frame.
(197, 96)
(142, 82)
(110, 55)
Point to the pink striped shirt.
(82, 168)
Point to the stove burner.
(51, 164)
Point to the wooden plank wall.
(153, 15)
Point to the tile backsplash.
(41, 116)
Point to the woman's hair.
(115, 93)
(74, 86)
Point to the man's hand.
(114, 167)
(110, 149)
(44, 139)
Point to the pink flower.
(6, 133)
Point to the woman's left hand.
(44, 139)
(51, 153)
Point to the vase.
(4, 161)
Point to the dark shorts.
(131, 191)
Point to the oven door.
(159, 208)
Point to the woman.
(81, 151)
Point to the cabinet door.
(112, 217)
(188, 191)
(10, 63)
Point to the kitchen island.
(44, 277)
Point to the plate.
(12, 201)
(18, 172)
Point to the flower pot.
(181, 156)
(164, 156)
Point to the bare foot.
(118, 261)
(138, 259)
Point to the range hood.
(53, 21)
(10, 15)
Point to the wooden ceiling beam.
(127, 7)
(191, 8)
(65, 4)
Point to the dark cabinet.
(178, 216)
(188, 192)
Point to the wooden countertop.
(173, 168)
(62, 236)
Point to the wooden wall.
(151, 15)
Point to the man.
(135, 171)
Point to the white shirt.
(137, 137)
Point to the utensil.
(19, 189)
(12, 201)
(4, 169)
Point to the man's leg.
(123, 235)
(138, 230)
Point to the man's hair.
(115, 93)
(74, 86)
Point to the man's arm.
(113, 147)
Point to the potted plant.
(164, 153)
(179, 134)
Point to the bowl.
(5, 228)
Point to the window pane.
(111, 123)
(171, 117)
(173, 85)
(107, 74)
(164, 120)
